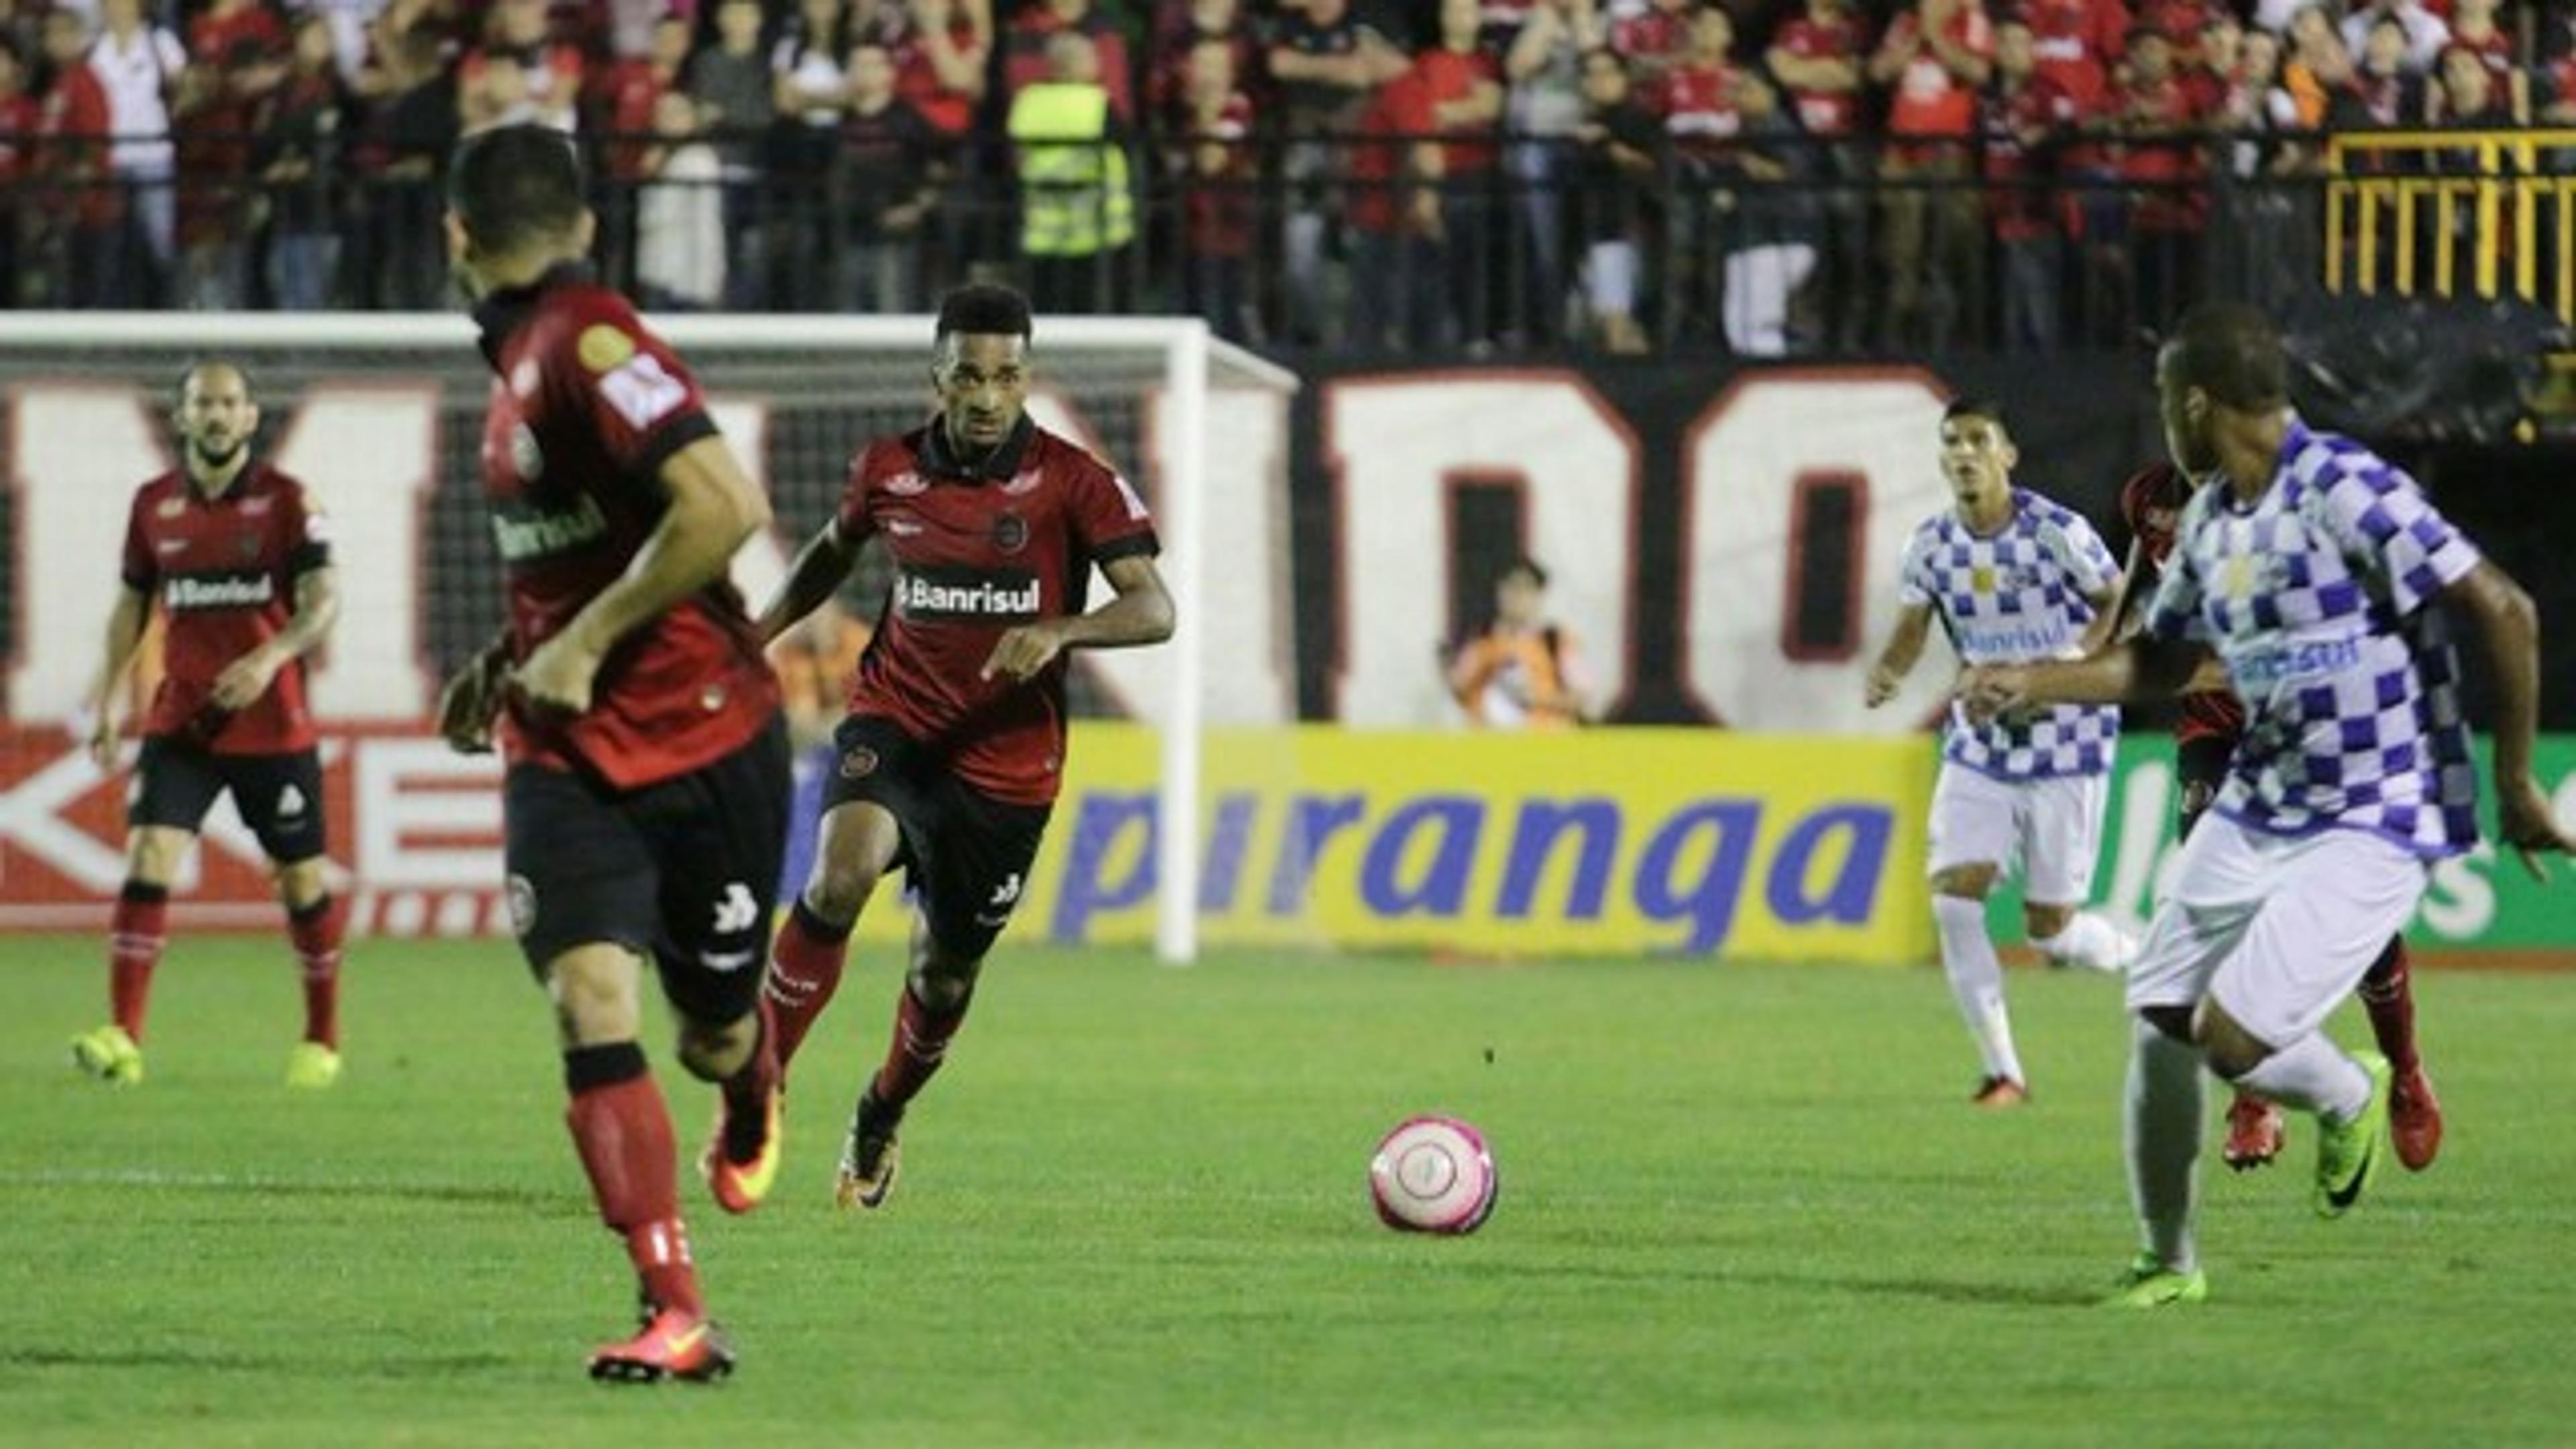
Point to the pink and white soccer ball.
(1433, 1175)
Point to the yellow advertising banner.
(1594, 842)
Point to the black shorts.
(279, 796)
(685, 869)
(2200, 767)
(966, 854)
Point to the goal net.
(382, 417)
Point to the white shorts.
(2051, 827)
(2276, 930)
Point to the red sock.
(316, 930)
(920, 1044)
(2388, 994)
(746, 1092)
(136, 933)
(805, 964)
(623, 1131)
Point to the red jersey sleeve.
(1109, 520)
(632, 388)
(851, 517)
(140, 570)
(305, 533)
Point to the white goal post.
(1162, 367)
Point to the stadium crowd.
(1770, 176)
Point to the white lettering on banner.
(78, 450)
(408, 788)
(1747, 462)
(369, 453)
(1398, 449)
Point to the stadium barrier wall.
(1621, 841)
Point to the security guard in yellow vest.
(1077, 206)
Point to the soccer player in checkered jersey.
(644, 796)
(953, 748)
(2206, 735)
(238, 559)
(2010, 576)
(2311, 569)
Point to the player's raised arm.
(713, 509)
(2510, 627)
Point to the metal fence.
(1768, 246)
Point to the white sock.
(2164, 1127)
(2091, 942)
(1977, 981)
(2313, 1075)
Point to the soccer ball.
(1433, 1175)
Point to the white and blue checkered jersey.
(2021, 594)
(2316, 597)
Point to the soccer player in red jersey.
(2212, 722)
(238, 560)
(953, 747)
(645, 796)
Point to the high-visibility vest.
(1075, 199)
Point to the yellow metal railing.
(2497, 224)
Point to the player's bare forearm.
(820, 567)
(713, 510)
(2106, 617)
(2510, 626)
(124, 634)
(317, 608)
(2135, 669)
(1141, 614)
(1896, 660)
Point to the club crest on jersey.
(1010, 532)
(526, 458)
(906, 484)
(173, 507)
(859, 763)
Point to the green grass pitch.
(1739, 1206)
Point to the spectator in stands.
(1077, 203)
(1653, 41)
(811, 93)
(1462, 90)
(940, 49)
(217, 106)
(353, 25)
(84, 232)
(1816, 55)
(736, 98)
(2074, 46)
(2168, 204)
(1395, 222)
(2383, 93)
(2421, 33)
(1617, 169)
(2029, 116)
(2467, 95)
(1544, 108)
(1522, 670)
(520, 72)
(888, 182)
(298, 161)
(679, 226)
(1219, 218)
(1028, 54)
(2319, 67)
(1170, 96)
(20, 120)
(138, 65)
(2473, 24)
(1328, 66)
(1937, 54)
(627, 100)
(407, 139)
(1769, 238)
(2261, 112)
